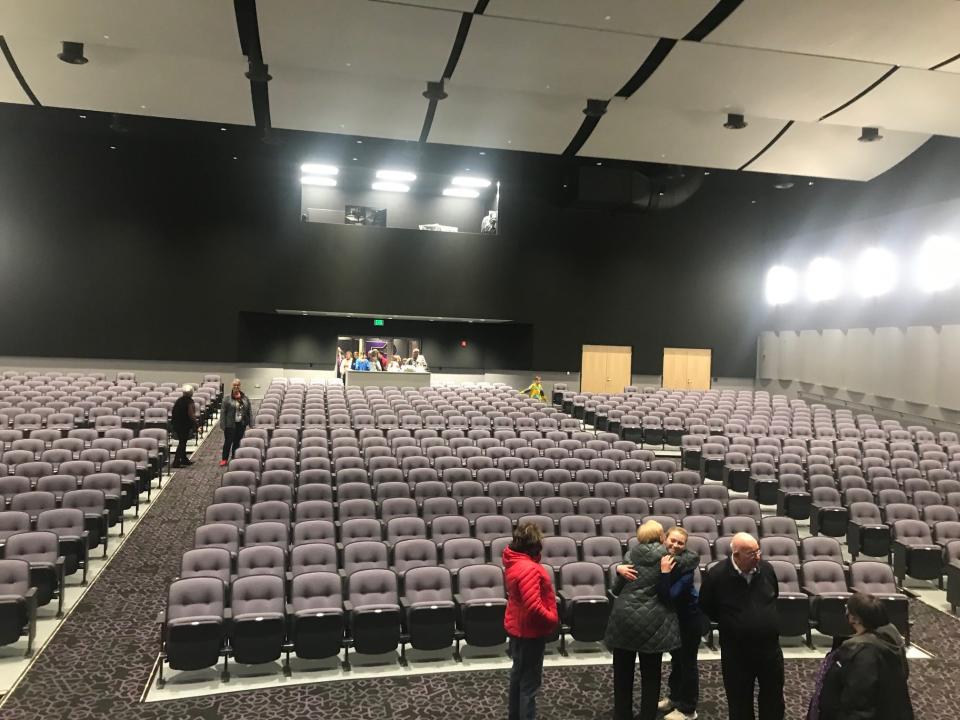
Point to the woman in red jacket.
(531, 617)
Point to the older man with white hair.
(740, 595)
(183, 417)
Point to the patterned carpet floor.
(99, 663)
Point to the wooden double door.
(605, 368)
(687, 368)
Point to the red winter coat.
(531, 603)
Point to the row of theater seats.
(65, 481)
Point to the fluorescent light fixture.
(781, 285)
(472, 182)
(391, 187)
(938, 264)
(396, 175)
(461, 192)
(875, 273)
(823, 280)
(314, 169)
(318, 180)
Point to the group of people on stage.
(658, 609)
(376, 361)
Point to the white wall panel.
(888, 345)
(857, 360)
(832, 342)
(811, 353)
(921, 361)
(948, 377)
(789, 355)
(768, 356)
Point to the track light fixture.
(72, 53)
(735, 121)
(257, 72)
(870, 134)
(595, 108)
(435, 90)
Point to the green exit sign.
(378, 322)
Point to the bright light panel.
(823, 280)
(461, 192)
(781, 286)
(875, 273)
(314, 169)
(472, 182)
(938, 264)
(391, 186)
(396, 175)
(318, 180)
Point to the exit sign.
(378, 322)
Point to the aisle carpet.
(98, 664)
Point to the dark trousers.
(231, 439)
(684, 680)
(624, 663)
(744, 668)
(525, 676)
(183, 434)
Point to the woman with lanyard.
(235, 418)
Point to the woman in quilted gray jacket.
(641, 622)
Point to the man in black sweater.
(740, 595)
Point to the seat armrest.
(458, 598)
(347, 606)
(161, 617)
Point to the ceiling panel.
(172, 27)
(914, 33)
(506, 119)
(657, 18)
(455, 5)
(10, 90)
(136, 82)
(360, 38)
(533, 57)
(831, 151)
(635, 130)
(303, 99)
(787, 86)
(910, 100)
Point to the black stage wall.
(168, 248)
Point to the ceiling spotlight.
(435, 90)
(781, 285)
(461, 192)
(320, 180)
(396, 175)
(783, 182)
(875, 272)
(471, 182)
(870, 134)
(314, 169)
(257, 72)
(595, 108)
(937, 266)
(391, 187)
(735, 121)
(824, 279)
(72, 53)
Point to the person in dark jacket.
(740, 595)
(183, 417)
(235, 417)
(641, 623)
(530, 618)
(868, 677)
(678, 588)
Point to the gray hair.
(187, 389)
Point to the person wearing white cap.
(184, 420)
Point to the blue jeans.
(525, 676)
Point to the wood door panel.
(687, 368)
(605, 368)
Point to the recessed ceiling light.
(83, 117)
(396, 175)
(303, 313)
(348, 64)
(470, 182)
(391, 187)
(223, 129)
(355, 159)
(315, 169)
(607, 17)
(706, 172)
(482, 152)
(509, 142)
(143, 107)
(461, 192)
(342, 125)
(234, 157)
(810, 182)
(599, 163)
(753, 202)
(359, 142)
(113, 147)
(548, 87)
(319, 180)
(106, 37)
